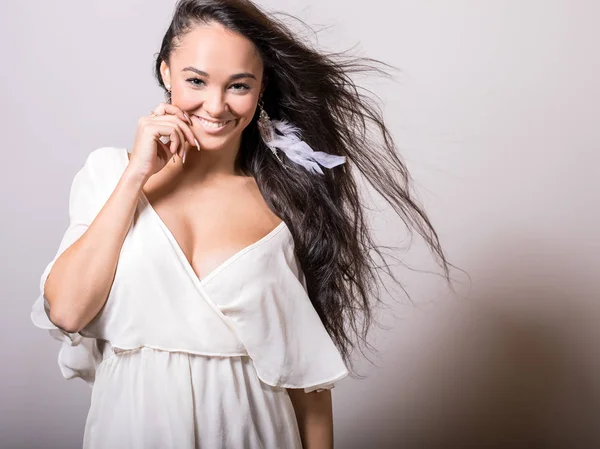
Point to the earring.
(289, 141)
(266, 130)
(168, 96)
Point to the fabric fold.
(78, 355)
(266, 298)
(256, 305)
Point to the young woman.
(213, 279)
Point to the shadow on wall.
(515, 366)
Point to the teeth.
(213, 125)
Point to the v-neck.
(177, 247)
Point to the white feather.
(299, 151)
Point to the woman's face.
(215, 75)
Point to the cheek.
(183, 100)
(244, 107)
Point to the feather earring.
(288, 140)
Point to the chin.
(209, 143)
(215, 143)
(204, 147)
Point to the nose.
(214, 104)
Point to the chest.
(211, 224)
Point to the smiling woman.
(211, 123)
(214, 303)
(220, 87)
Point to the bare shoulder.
(253, 205)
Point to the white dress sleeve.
(317, 363)
(274, 318)
(78, 355)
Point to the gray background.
(496, 115)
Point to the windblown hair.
(325, 214)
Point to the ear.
(165, 73)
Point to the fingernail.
(184, 154)
(197, 144)
(188, 118)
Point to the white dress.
(183, 363)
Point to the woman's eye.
(192, 81)
(240, 86)
(196, 82)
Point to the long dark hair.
(325, 214)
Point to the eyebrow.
(236, 76)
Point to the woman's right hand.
(149, 155)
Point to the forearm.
(315, 417)
(80, 279)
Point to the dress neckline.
(177, 247)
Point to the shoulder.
(252, 204)
(104, 158)
(103, 164)
(100, 172)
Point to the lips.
(210, 122)
(213, 124)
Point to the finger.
(166, 108)
(180, 140)
(185, 129)
(163, 151)
(189, 134)
(175, 143)
(167, 130)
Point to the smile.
(215, 126)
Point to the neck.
(210, 164)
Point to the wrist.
(134, 178)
